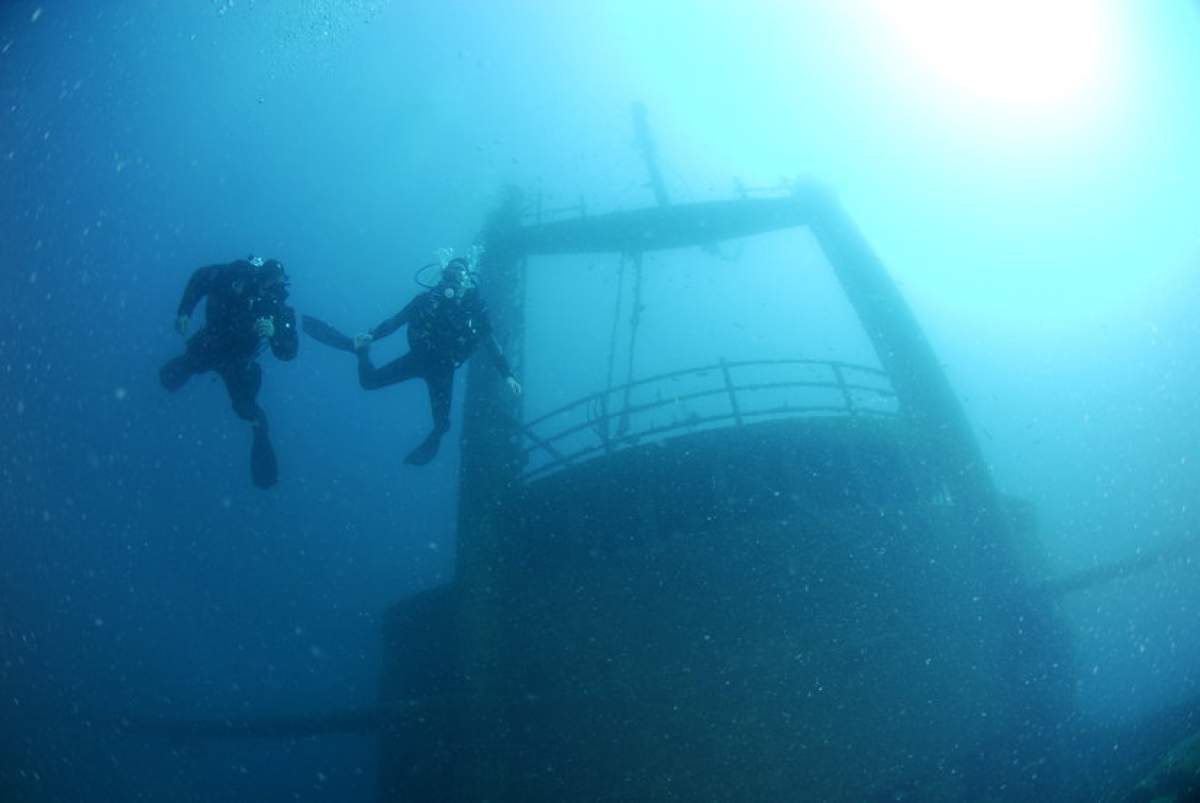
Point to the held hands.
(514, 386)
(264, 327)
(362, 341)
(182, 323)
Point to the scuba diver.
(445, 326)
(246, 306)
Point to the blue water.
(1050, 251)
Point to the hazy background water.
(1034, 199)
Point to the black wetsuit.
(229, 345)
(442, 333)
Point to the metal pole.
(733, 402)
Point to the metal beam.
(661, 227)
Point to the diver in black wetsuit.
(246, 306)
(445, 326)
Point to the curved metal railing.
(594, 425)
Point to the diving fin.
(264, 470)
(426, 451)
(324, 333)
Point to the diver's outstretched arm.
(395, 322)
(501, 363)
(497, 355)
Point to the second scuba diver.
(246, 309)
(445, 326)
